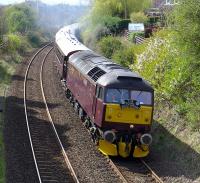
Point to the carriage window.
(117, 95)
(142, 96)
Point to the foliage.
(34, 38)
(109, 45)
(111, 23)
(123, 24)
(118, 8)
(14, 42)
(107, 17)
(138, 17)
(165, 63)
(171, 60)
(186, 22)
(187, 25)
(20, 18)
(125, 56)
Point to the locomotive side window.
(142, 96)
(100, 95)
(99, 92)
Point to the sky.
(71, 2)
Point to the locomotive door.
(98, 106)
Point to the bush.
(111, 23)
(13, 43)
(123, 24)
(34, 38)
(125, 56)
(109, 45)
(138, 17)
(167, 66)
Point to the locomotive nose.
(146, 139)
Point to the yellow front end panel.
(115, 113)
(141, 152)
(107, 148)
(124, 149)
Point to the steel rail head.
(117, 170)
(25, 108)
(154, 175)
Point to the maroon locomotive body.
(115, 104)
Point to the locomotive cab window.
(117, 95)
(143, 97)
(120, 96)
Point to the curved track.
(51, 161)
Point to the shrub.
(34, 38)
(125, 56)
(123, 24)
(138, 17)
(13, 43)
(109, 45)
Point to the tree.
(20, 18)
(118, 8)
(186, 23)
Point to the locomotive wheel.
(87, 123)
(81, 113)
(71, 100)
(76, 107)
(68, 93)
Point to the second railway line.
(49, 161)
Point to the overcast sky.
(71, 2)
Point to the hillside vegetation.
(169, 60)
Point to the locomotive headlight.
(146, 139)
(109, 136)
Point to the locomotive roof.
(107, 73)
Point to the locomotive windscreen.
(119, 96)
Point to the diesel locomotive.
(115, 104)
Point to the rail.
(123, 178)
(50, 119)
(25, 108)
(153, 174)
(49, 116)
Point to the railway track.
(130, 176)
(51, 162)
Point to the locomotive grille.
(96, 73)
